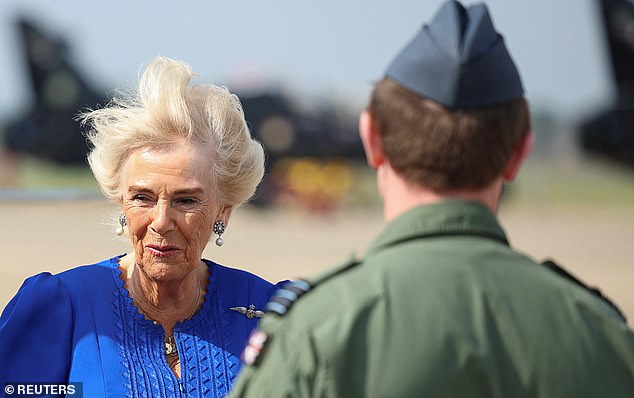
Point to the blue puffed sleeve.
(36, 332)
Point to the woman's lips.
(161, 251)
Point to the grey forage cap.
(458, 60)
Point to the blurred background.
(304, 71)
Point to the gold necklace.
(170, 347)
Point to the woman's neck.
(166, 302)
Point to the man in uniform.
(441, 305)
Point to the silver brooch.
(251, 312)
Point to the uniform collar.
(449, 217)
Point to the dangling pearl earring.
(122, 223)
(219, 229)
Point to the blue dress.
(81, 326)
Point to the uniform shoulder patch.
(255, 346)
(284, 298)
(280, 303)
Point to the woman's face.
(168, 200)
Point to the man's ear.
(518, 156)
(371, 139)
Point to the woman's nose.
(162, 219)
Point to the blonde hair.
(167, 110)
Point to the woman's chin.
(165, 267)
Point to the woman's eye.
(141, 199)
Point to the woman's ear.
(518, 156)
(371, 139)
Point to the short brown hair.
(446, 149)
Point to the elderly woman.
(159, 321)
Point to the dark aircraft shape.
(611, 133)
(48, 128)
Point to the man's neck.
(400, 196)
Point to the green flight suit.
(441, 306)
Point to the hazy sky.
(330, 48)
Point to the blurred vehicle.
(610, 134)
(311, 155)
